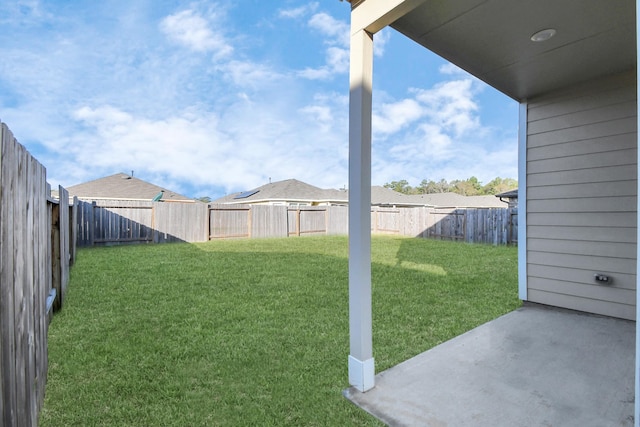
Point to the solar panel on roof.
(246, 194)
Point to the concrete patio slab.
(536, 366)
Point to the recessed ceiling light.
(543, 35)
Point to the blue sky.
(212, 97)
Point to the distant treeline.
(468, 187)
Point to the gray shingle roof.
(511, 194)
(289, 190)
(292, 190)
(122, 187)
(450, 200)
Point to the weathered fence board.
(9, 160)
(308, 220)
(118, 224)
(338, 220)
(512, 237)
(229, 221)
(180, 222)
(60, 245)
(269, 221)
(73, 231)
(25, 280)
(386, 220)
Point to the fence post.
(56, 256)
(207, 225)
(374, 211)
(155, 234)
(73, 231)
(91, 229)
(326, 220)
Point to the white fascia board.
(373, 15)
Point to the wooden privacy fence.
(118, 222)
(473, 225)
(232, 221)
(35, 253)
(109, 222)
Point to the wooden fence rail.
(33, 228)
(114, 222)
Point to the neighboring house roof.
(287, 191)
(511, 194)
(454, 200)
(382, 196)
(123, 187)
(294, 191)
(510, 197)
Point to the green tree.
(430, 186)
(499, 185)
(423, 187)
(401, 186)
(468, 187)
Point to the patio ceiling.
(491, 40)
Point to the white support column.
(522, 201)
(361, 365)
(637, 375)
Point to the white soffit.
(491, 39)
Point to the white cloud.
(298, 12)
(192, 30)
(380, 40)
(336, 38)
(448, 105)
(338, 60)
(336, 34)
(451, 69)
(392, 117)
(249, 74)
(335, 30)
(322, 73)
(188, 147)
(452, 104)
(325, 112)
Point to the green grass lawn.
(252, 332)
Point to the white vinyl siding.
(582, 197)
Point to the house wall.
(581, 196)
